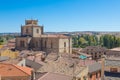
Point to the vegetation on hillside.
(108, 41)
(4, 39)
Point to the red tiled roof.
(14, 70)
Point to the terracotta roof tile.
(14, 70)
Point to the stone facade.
(95, 51)
(33, 38)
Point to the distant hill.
(86, 32)
(12, 34)
(73, 33)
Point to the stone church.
(33, 38)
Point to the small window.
(51, 44)
(22, 43)
(99, 56)
(45, 44)
(37, 31)
(96, 75)
(36, 44)
(113, 70)
(90, 75)
(104, 53)
(91, 53)
(64, 44)
(26, 30)
(79, 79)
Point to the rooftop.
(55, 76)
(14, 70)
(65, 65)
(94, 67)
(94, 49)
(116, 49)
(55, 36)
(109, 62)
(3, 58)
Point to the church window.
(37, 30)
(45, 44)
(64, 44)
(22, 43)
(36, 44)
(51, 44)
(26, 30)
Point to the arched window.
(37, 30)
(36, 44)
(22, 43)
(45, 43)
(26, 30)
(51, 44)
(64, 44)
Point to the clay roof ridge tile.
(18, 67)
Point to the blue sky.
(61, 15)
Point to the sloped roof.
(55, 76)
(14, 70)
(94, 49)
(116, 49)
(54, 36)
(4, 58)
(112, 62)
(94, 67)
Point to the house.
(15, 72)
(113, 54)
(112, 69)
(95, 51)
(9, 53)
(90, 72)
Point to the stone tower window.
(26, 30)
(51, 44)
(41, 41)
(22, 43)
(36, 44)
(45, 44)
(64, 44)
(37, 30)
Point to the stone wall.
(107, 68)
(47, 44)
(65, 45)
(26, 30)
(37, 31)
(82, 74)
(26, 41)
(21, 63)
(50, 44)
